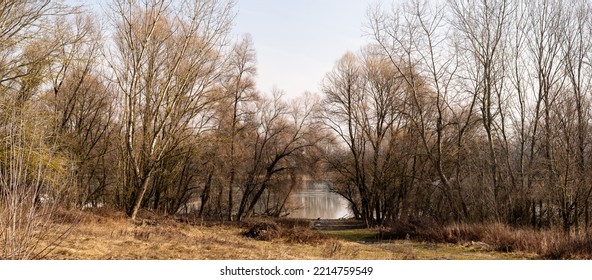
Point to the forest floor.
(111, 235)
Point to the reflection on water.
(315, 200)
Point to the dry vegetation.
(111, 235)
(545, 244)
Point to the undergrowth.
(284, 230)
(548, 244)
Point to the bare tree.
(576, 51)
(241, 89)
(544, 41)
(344, 94)
(165, 66)
(83, 106)
(365, 103)
(414, 38)
(481, 26)
(278, 134)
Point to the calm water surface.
(315, 200)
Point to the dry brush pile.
(291, 231)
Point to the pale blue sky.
(298, 41)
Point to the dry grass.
(545, 244)
(110, 235)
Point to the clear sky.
(298, 41)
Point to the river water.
(315, 200)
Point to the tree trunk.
(205, 196)
(140, 197)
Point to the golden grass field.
(114, 236)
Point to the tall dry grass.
(547, 243)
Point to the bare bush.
(34, 180)
(285, 230)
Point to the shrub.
(263, 231)
(289, 231)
